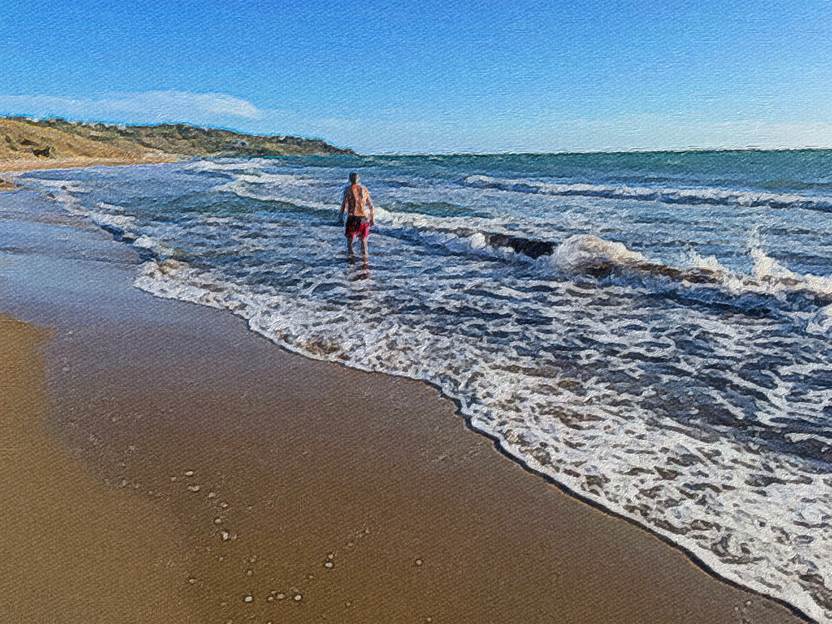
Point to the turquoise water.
(652, 330)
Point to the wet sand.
(267, 487)
(73, 550)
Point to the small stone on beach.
(419, 562)
(329, 565)
(248, 598)
(189, 473)
(226, 535)
(193, 488)
(298, 597)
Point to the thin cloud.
(144, 106)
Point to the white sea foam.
(581, 252)
(251, 165)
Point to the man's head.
(354, 178)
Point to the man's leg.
(349, 245)
(364, 246)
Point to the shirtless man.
(358, 205)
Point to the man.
(358, 205)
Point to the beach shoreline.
(9, 169)
(320, 464)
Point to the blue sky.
(432, 76)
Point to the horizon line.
(564, 152)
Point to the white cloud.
(144, 106)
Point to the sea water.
(651, 330)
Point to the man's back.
(355, 196)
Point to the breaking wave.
(689, 196)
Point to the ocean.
(653, 331)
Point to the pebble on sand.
(280, 595)
(217, 520)
(419, 562)
(248, 598)
(329, 565)
(297, 597)
(193, 488)
(225, 535)
(189, 473)
(212, 494)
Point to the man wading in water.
(358, 205)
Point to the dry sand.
(235, 482)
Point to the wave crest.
(708, 196)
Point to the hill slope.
(23, 139)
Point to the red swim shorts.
(357, 226)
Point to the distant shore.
(276, 487)
(29, 144)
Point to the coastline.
(11, 168)
(325, 456)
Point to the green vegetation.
(22, 138)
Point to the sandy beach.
(164, 464)
(8, 168)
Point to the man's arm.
(371, 207)
(343, 203)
